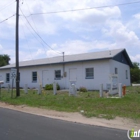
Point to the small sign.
(13, 73)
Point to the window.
(57, 74)
(126, 72)
(34, 76)
(116, 71)
(89, 73)
(7, 77)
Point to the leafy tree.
(136, 65)
(4, 60)
(135, 73)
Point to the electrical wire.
(38, 34)
(90, 8)
(7, 18)
(7, 5)
(35, 26)
(31, 17)
(27, 44)
(36, 37)
(30, 49)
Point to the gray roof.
(68, 58)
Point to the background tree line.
(135, 73)
(4, 59)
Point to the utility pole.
(17, 49)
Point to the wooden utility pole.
(17, 49)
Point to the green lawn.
(109, 108)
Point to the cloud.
(79, 46)
(93, 16)
(135, 58)
(137, 16)
(69, 32)
(123, 36)
(1, 47)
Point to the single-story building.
(87, 70)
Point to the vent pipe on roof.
(109, 52)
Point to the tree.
(4, 60)
(135, 73)
(136, 65)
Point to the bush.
(58, 87)
(50, 87)
(82, 89)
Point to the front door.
(45, 78)
(73, 74)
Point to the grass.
(89, 102)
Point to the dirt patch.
(120, 123)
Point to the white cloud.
(135, 58)
(79, 46)
(1, 47)
(93, 16)
(123, 36)
(102, 28)
(137, 16)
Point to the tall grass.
(89, 102)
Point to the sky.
(45, 32)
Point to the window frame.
(86, 73)
(7, 81)
(126, 74)
(56, 77)
(34, 81)
(116, 70)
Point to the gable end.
(123, 57)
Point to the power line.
(30, 13)
(27, 44)
(35, 26)
(37, 38)
(82, 9)
(38, 34)
(7, 18)
(30, 49)
(7, 5)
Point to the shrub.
(50, 87)
(82, 89)
(58, 87)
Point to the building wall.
(121, 72)
(102, 70)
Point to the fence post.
(54, 88)
(72, 89)
(8, 88)
(120, 89)
(39, 89)
(26, 88)
(101, 90)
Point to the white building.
(85, 70)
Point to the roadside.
(119, 123)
